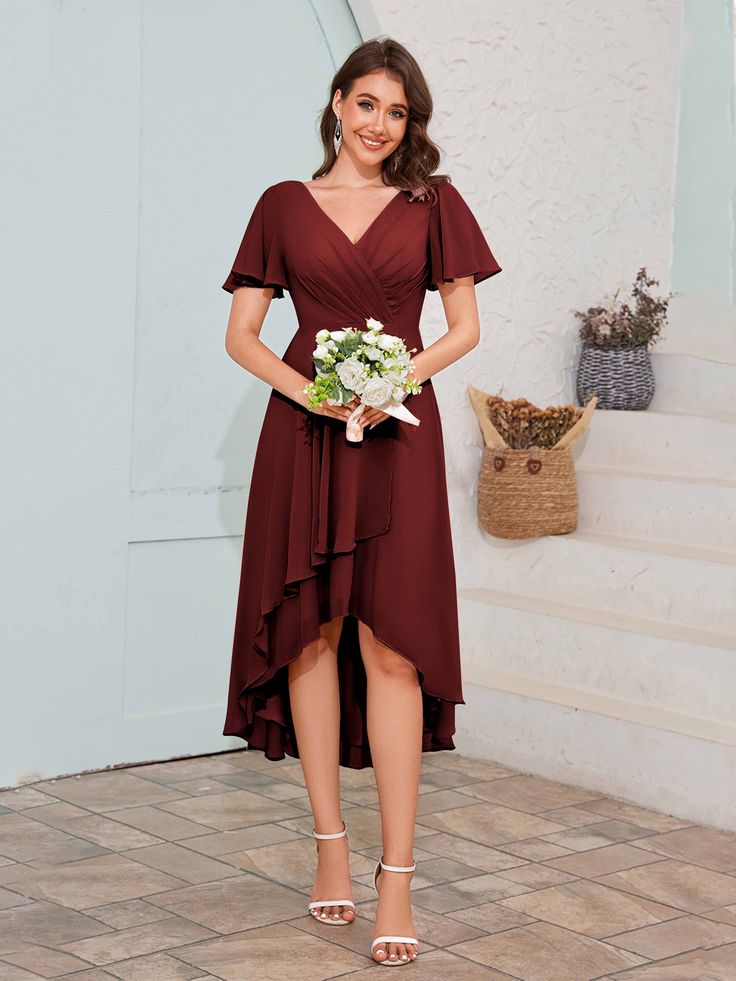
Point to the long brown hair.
(410, 167)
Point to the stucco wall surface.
(557, 122)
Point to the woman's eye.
(370, 106)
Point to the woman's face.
(374, 117)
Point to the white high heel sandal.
(387, 938)
(329, 921)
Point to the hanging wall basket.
(526, 493)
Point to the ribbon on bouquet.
(354, 430)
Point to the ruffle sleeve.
(457, 245)
(260, 261)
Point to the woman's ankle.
(335, 827)
(399, 860)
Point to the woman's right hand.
(338, 411)
(331, 411)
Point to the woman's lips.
(371, 146)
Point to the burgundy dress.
(334, 528)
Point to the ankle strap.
(338, 834)
(398, 868)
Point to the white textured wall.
(558, 123)
(592, 658)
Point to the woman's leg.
(315, 710)
(394, 716)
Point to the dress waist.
(389, 326)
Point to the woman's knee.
(379, 659)
(325, 645)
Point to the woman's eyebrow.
(399, 105)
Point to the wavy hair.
(411, 166)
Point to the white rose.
(370, 336)
(395, 377)
(399, 394)
(322, 336)
(349, 372)
(373, 324)
(338, 335)
(377, 391)
(331, 345)
(386, 342)
(373, 353)
(320, 352)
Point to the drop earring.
(337, 138)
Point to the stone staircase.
(631, 619)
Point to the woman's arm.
(463, 329)
(463, 323)
(243, 344)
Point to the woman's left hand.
(370, 415)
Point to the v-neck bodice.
(371, 225)
(291, 243)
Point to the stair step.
(677, 509)
(624, 623)
(682, 443)
(701, 327)
(690, 589)
(679, 550)
(572, 655)
(685, 383)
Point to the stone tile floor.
(202, 868)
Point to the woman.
(346, 647)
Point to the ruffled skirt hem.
(261, 716)
(319, 510)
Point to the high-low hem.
(275, 737)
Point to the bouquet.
(367, 363)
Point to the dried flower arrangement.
(617, 325)
(523, 424)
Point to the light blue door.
(142, 134)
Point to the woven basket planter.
(526, 493)
(621, 378)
